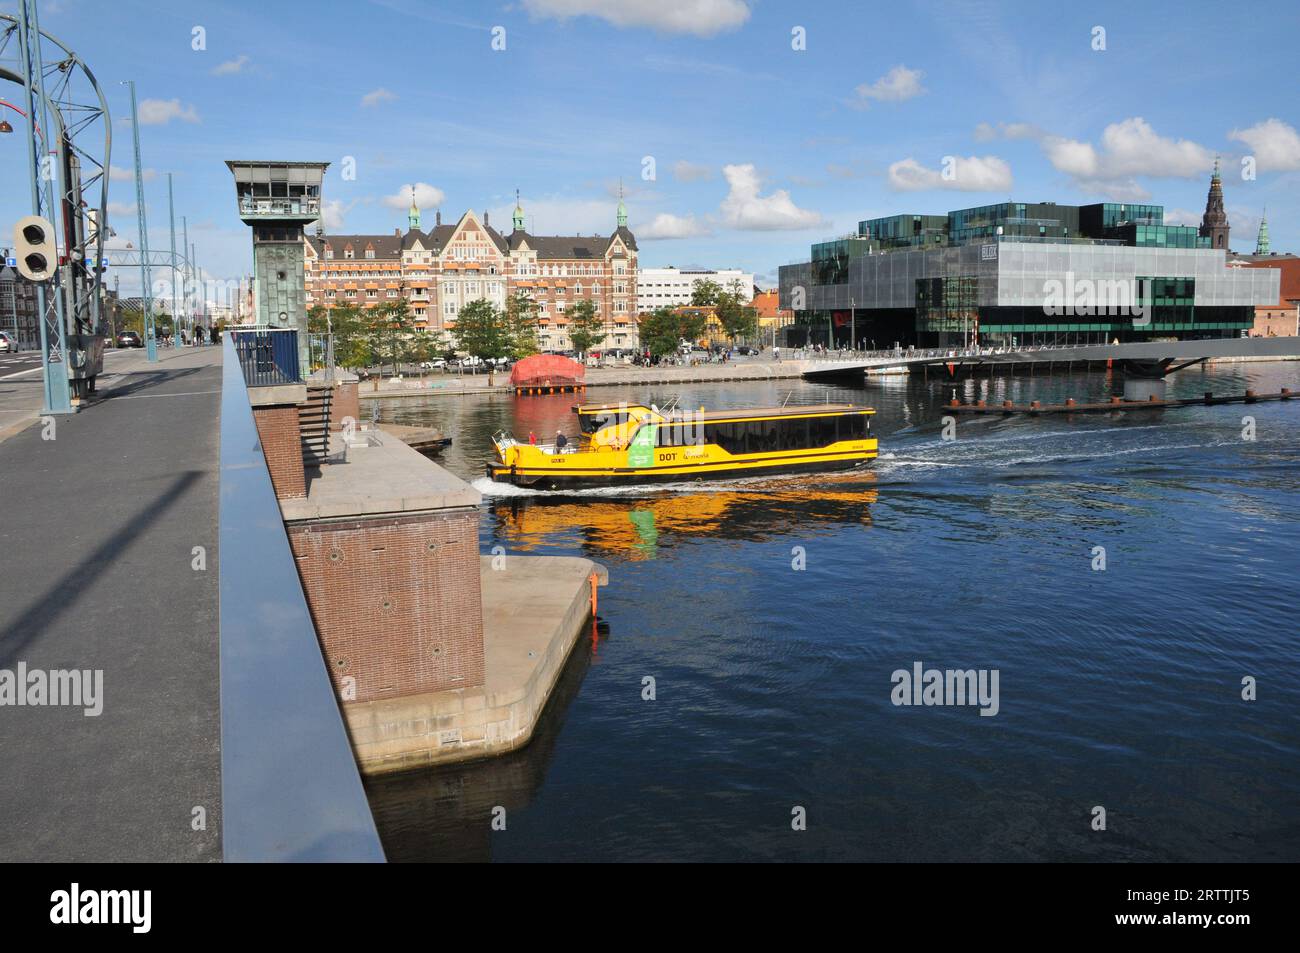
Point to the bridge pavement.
(1278, 347)
(97, 530)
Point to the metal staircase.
(314, 425)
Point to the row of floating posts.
(1115, 403)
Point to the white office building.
(670, 287)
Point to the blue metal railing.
(267, 356)
(290, 788)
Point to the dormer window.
(347, 253)
(370, 253)
(329, 252)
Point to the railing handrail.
(290, 788)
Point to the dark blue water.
(1118, 688)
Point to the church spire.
(518, 219)
(622, 209)
(1214, 223)
(1261, 242)
(413, 216)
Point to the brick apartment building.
(440, 271)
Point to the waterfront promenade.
(97, 565)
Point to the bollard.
(1117, 400)
(1209, 396)
(1286, 393)
(1007, 405)
(1250, 397)
(1035, 405)
(1153, 399)
(1069, 402)
(954, 403)
(981, 404)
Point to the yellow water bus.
(633, 444)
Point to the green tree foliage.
(585, 325)
(738, 319)
(521, 325)
(391, 333)
(705, 292)
(482, 330)
(663, 329)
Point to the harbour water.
(771, 616)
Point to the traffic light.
(34, 248)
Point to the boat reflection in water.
(630, 528)
(445, 813)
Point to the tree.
(585, 325)
(521, 325)
(481, 331)
(391, 331)
(352, 344)
(738, 319)
(663, 329)
(705, 292)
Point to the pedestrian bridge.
(1147, 358)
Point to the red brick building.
(440, 271)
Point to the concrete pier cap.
(436, 654)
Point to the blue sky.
(758, 148)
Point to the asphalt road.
(97, 534)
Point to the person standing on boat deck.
(561, 441)
(532, 438)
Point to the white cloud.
(120, 210)
(230, 67)
(1117, 190)
(333, 213)
(1128, 148)
(117, 173)
(426, 196)
(684, 171)
(377, 96)
(561, 215)
(697, 17)
(159, 112)
(986, 132)
(666, 226)
(1275, 145)
(744, 208)
(1182, 216)
(969, 174)
(899, 84)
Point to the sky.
(740, 131)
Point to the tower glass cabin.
(277, 199)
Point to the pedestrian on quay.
(532, 439)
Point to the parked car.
(434, 365)
(7, 343)
(129, 339)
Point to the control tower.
(277, 199)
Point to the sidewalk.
(451, 385)
(97, 531)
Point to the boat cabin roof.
(800, 410)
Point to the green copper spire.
(1261, 242)
(1215, 177)
(622, 209)
(519, 214)
(413, 216)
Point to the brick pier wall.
(346, 404)
(397, 601)
(277, 429)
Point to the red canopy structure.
(546, 370)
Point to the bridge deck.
(96, 539)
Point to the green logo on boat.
(641, 452)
